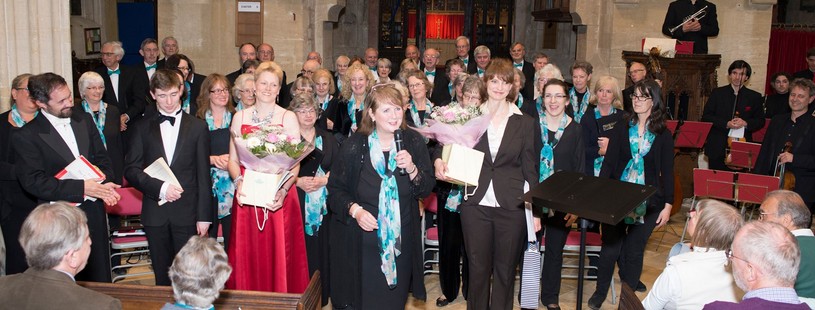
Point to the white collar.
(803, 232)
(56, 120)
(175, 113)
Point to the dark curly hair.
(656, 121)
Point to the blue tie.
(518, 65)
(112, 72)
(372, 68)
(480, 72)
(428, 73)
(150, 67)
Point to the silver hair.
(549, 69)
(482, 49)
(790, 203)
(771, 248)
(117, 47)
(50, 231)
(87, 79)
(164, 41)
(199, 272)
(466, 39)
(240, 84)
(386, 62)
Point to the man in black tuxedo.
(697, 30)
(731, 108)
(46, 145)
(245, 52)
(439, 94)
(463, 53)
(518, 52)
(183, 142)
(125, 87)
(169, 46)
(809, 72)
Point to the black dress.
(15, 203)
(113, 139)
(219, 145)
(594, 128)
(317, 246)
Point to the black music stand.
(575, 193)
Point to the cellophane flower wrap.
(456, 124)
(267, 148)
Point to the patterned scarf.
(520, 101)
(454, 198)
(635, 169)
(239, 106)
(547, 155)
(223, 189)
(414, 112)
(316, 200)
(389, 219)
(327, 100)
(598, 162)
(17, 118)
(352, 112)
(100, 122)
(581, 109)
(186, 105)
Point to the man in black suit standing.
(46, 145)
(518, 52)
(169, 46)
(183, 142)
(149, 51)
(245, 52)
(125, 87)
(636, 72)
(463, 53)
(439, 93)
(696, 30)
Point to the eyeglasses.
(306, 72)
(184, 68)
(219, 91)
(640, 98)
(247, 91)
(471, 97)
(305, 111)
(730, 256)
(415, 85)
(550, 96)
(108, 54)
(763, 215)
(21, 88)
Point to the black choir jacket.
(679, 10)
(133, 90)
(803, 150)
(719, 111)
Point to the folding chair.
(430, 236)
(711, 184)
(129, 241)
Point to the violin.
(786, 180)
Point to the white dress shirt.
(63, 127)
(114, 80)
(150, 72)
(494, 135)
(169, 138)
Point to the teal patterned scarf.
(414, 112)
(454, 198)
(223, 189)
(17, 118)
(186, 105)
(389, 219)
(239, 106)
(352, 113)
(547, 155)
(598, 162)
(100, 122)
(316, 200)
(579, 109)
(635, 169)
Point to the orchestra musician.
(796, 127)
(731, 108)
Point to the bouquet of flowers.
(456, 124)
(267, 153)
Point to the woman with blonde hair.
(600, 121)
(328, 104)
(359, 80)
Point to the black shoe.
(641, 287)
(552, 307)
(120, 271)
(441, 301)
(595, 303)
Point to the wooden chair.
(628, 299)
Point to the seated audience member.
(809, 72)
(764, 259)
(778, 102)
(198, 273)
(56, 241)
(787, 209)
(694, 279)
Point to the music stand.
(575, 193)
(753, 188)
(744, 154)
(690, 135)
(717, 184)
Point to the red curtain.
(788, 52)
(441, 26)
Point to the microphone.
(397, 137)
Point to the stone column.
(35, 37)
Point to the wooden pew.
(138, 297)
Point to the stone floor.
(656, 252)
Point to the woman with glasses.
(642, 154)
(563, 150)
(420, 106)
(373, 193)
(16, 203)
(192, 81)
(243, 92)
(215, 107)
(693, 279)
(314, 172)
(91, 89)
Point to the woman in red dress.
(267, 245)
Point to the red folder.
(744, 154)
(690, 134)
(684, 47)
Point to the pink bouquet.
(267, 148)
(456, 124)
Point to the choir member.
(420, 106)
(243, 92)
(383, 69)
(600, 120)
(580, 95)
(329, 104)
(360, 80)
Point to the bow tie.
(465, 60)
(518, 65)
(151, 67)
(171, 119)
(112, 72)
(428, 73)
(372, 68)
(480, 71)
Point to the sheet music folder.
(691, 134)
(597, 199)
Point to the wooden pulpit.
(692, 75)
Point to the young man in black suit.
(125, 87)
(183, 142)
(51, 141)
(518, 52)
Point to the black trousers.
(98, 267)
(625, 245)
(492, 238)
(451, 252)
(164, 242)
(555, 239)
